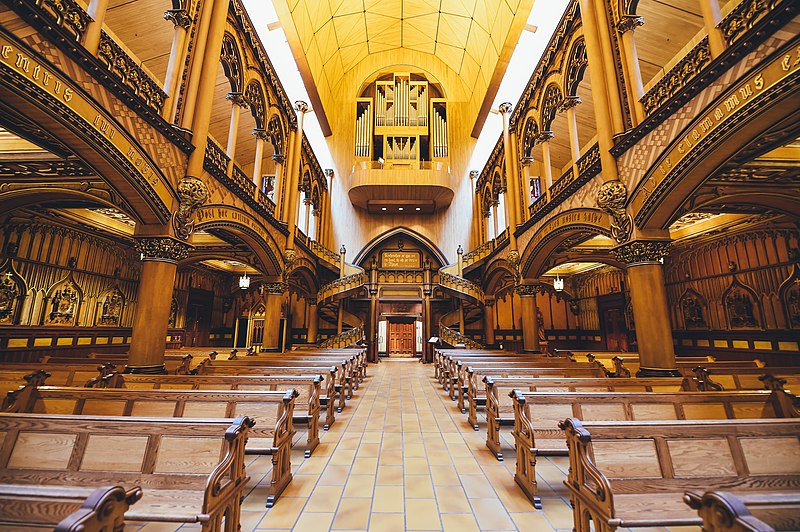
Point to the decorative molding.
(275, 288)
(55, 168)
(192, 193)
(162, 249)
(642, 252)
(744, 16)
(237, 98)
(528, 290)
(179, 18)
(67, 14)
(611, 197)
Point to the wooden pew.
(439, 356)
(356, 357)
(449, 362)
(190, 470)
(537, 416)
(13, 374)
(706, 379)
(309, 388)
(635, 473)
(334, 372)
(567, 369)
(723, 511)
(500, 404)
(475, 395)
(266, 408)
(176, 365)
(353, 365)
(66, 509)
(345, 373)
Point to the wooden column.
(313, 321)
(258, 161)
(153, 301)
(294, 174)
(177, 57)
(237, 104)
(326, 229)
(512, 181)
(626, 28)
(488, 323)
(274, 293)
(530, 325)
(543, 138)
(712, 16)
(477, 215)
(280, 179)
(91, 37)
(650, 309)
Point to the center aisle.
(389, 463)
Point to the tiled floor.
(402, 457)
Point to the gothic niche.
(740, 306)
(173, 313)
(64, 299)
(790, 297)
(693, 310)
(110, 314)
(12, 290)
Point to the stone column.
(280, 179)
(645, 269)
(626, 27)
(153, 301)
(177, 56)
(477, 215)
(313, 321)
(530, 325)
(237, 104)
(543, 138)
(488, 323)
(512, 181)
(261, 139)
(274, 293)
(712, 16)
(91, 37)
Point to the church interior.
(400, 265)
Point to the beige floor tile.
(491, 515)
(557, 511)
(334, 475)
(313, 522)
(388, 499)
(284, 513)
(452, 499)
(360, 486)
(386, 522)
(418, 486)
(416, 466)
(364, 466)
(459, 523)
(531, 521)
(477, 486)
(390, 475)
(324, 499)
(353, 514)
(422, 514)
(444, 476)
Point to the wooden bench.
(500, 404)
(449, 363)
(267, 409)
(356, 361)
(345, 373)
(706, 379)
(635, 473)
(475, 395)
(537, 416)
(176, 365)
(309, 388)
(13, 375)
(190, 470)
(67, 510)
(723, 511)
(334, 373)
(440, 355)
(563, 369)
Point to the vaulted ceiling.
(469, 41)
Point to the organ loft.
(399, 265)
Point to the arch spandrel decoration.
(555, 231)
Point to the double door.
(402, 338)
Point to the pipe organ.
(401, 121)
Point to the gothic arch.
(432, 249)
(576, 66)
(63, 302)
(231, 59)
(528, 138)
(742, 306)
(551, 99)
(254, 95)
(496, 275)
(694, 309)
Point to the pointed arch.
(231, 60)
(693, 307)
(528, 138)
(432, 249)
(576, 66)
(63, 302)
(254, 95)
(742, 306)
(550, 101)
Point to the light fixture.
(383, 208)
(558, 283)
(244, 282)
(399, 208)
(419, 209)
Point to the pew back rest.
(203, 455)
(12, 374)
(269, 410)
(748, 378)
(652, 456)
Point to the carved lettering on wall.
(400, 260)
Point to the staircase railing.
(456, 338)
(342, 285)
(345, 339)
(322, 252)
(460, 285)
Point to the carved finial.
(301, 106)
(460, 250)
(342, 250)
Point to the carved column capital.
(328, 173)
(261, 134)
(473, 174)
(192, 193)
(275, 288)
(237, 98)
(179, 18)
(312, 301)
(506, 107)
(629, 23)
(526, 161)
(162, 248)
(642, 252)
(279, 158)
(544, 136)
(569, 102)
(301, 106)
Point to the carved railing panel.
(67, 14)
(243, 182)
(456, 338)
(461, 286)
(401, 276)
(342, 285)
(125, 69)
(478, 253)
(321, 251)
(678, 77)
(215, 161)
(345, 339)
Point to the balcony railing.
(461, 285)
(124, 68)
(322, 252)
(478, 253)
(345, 339)
(342, 285)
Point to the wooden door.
(401, 338)
(615, 330)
